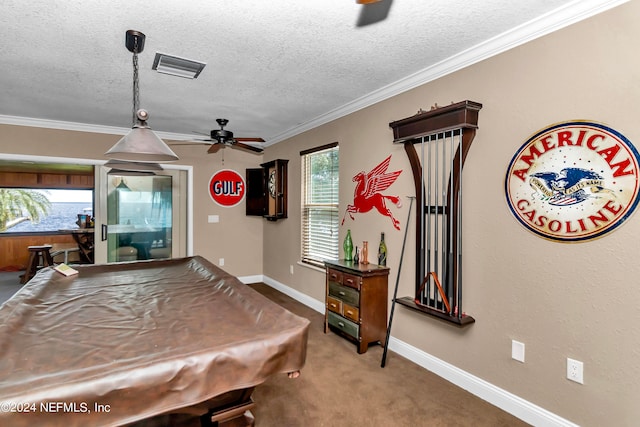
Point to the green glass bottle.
(382, 251)
(347, 245)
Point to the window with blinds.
(320, 204)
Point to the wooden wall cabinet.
(9, 179)
(356, 302)
(267, 190)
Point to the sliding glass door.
(141, 217)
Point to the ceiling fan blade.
(200, 133)
(214, 148)
(249, 139)
(247, 147)
(373, 12)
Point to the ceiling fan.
(373, 11)
(221, 137)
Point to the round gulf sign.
(227, 188)
(573, 181)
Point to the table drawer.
(346, 294)
(334, 305)
(351, 312)
(351, 281)
(334, 276)
(344, 325)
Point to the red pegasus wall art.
(367, 194)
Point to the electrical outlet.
(575, 370)
(291, 269)
(221, 262)
(517, 351)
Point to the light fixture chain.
(136, 90)
(140, 144)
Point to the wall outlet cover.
(575, 370)
(517, 351)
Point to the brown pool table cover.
(144, 338)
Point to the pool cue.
(395, 292)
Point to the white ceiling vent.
(177, 66)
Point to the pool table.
(145, 343)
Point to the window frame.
(73, 219)
(307, 241)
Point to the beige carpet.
(339, 387)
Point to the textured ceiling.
(274, 68)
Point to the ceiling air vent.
(176, 66)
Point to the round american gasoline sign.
(573, 181)
(227, 188)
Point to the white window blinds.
(320, 204)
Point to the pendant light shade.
(120, 172)
(140, 144)
(122, 186)
(132, 166)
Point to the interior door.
(141, 217)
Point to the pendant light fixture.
(121, 172)
(140, 144)
(132, 166)
(122, 186)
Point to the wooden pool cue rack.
(443, 136)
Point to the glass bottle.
(382, 251)
(356, 256)
(364, 253)
(347, 245)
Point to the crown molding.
(555, 20)
(83, 127)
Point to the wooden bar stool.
(37, 253)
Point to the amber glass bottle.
(364, 253)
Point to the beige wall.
(236, 238)
(562, 300)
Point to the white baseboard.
(508, 402)
(296, 295)
(251, 279)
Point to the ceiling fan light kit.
(221, 137)
(141, 144)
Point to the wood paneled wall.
(13, 249)
(14, 253)
(45, 180)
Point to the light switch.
(214, 218)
